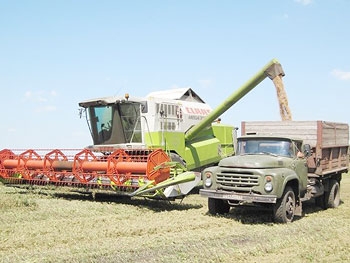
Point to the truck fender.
(291, 182)
(291, 179)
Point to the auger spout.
(271, 70)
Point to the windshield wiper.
(268, 153)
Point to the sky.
(54, 54)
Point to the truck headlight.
(207, 179)
(268, 187)
(208, 182)
(268, 183)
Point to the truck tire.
(284, 209)
(320, 201)
(218, 206)
(332, 197)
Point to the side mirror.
(144, 108)
(307, 150)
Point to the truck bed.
(329, 141)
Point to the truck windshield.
(115, 124)
(269, 146)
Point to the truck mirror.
(307, 150)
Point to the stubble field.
(54, 225)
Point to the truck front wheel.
(284, 209)
(218, 206)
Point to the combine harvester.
(154, 147)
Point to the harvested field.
(54, 225)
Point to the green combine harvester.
(155, 146)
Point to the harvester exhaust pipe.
(273, 69)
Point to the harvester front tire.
(218, 206)
(284, 209)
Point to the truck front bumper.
(241, 197)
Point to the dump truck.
(154, 146)
(281, 164)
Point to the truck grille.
(229, 179)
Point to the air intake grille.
(231, 179)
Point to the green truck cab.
(278, 170)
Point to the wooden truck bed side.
(329, 141)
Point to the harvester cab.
(155, 146)
(130, 122)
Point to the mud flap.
(298, 209)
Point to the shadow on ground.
(264, 215)
(152, 204)
(108, 197)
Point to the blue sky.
(54, 54)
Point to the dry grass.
(43, 225)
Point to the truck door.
(299, 164)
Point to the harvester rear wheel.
(218, 206)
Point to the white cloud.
(304, 2)
(47, 108)
(39, 96)
(41, 100)
(342, 75)
(174, 86)
(205, 83)
(11, 130)
(27, 95)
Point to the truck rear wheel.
(284, 209)
(332, 198)
(218, 206)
